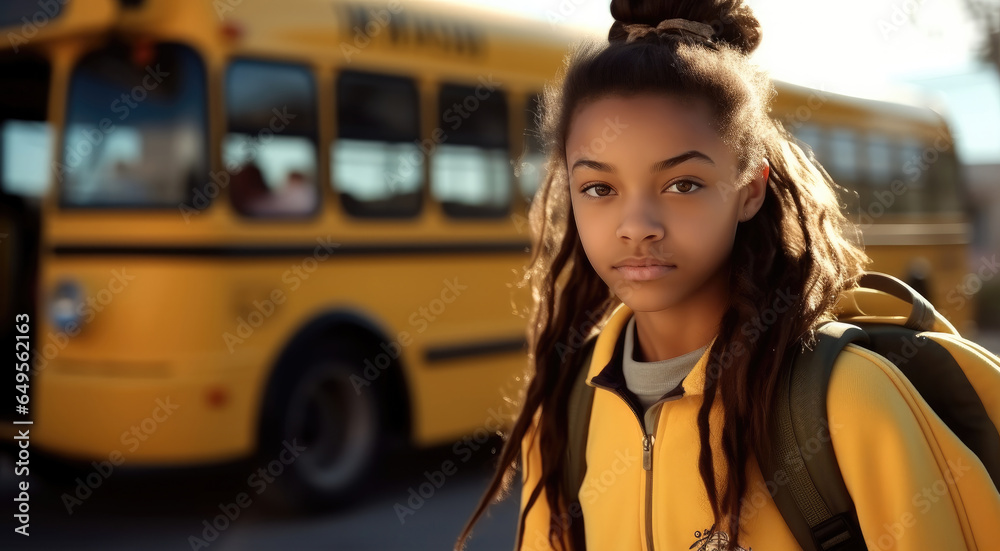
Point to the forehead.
(641, 123)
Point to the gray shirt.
(649, 381)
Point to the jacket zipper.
(647, 465)
(647, 461)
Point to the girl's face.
(656, 200)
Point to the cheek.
(705, 235)
(581, 214)
(595, 236)
(591, 235)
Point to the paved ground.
(138, 512)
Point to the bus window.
(914, 172)
(811, 136)
(377, 165)
(26, 157)
(25, 135)
(15, 12)
(843, 160)
(945, 192)
(879, 154)
(135, 128)
(531, 167)
(270, 144)
(874, 176)
(470, 170)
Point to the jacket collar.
(606, 362)
(855, 305)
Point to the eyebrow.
(656, 167)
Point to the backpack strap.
(815, 502)
(922, 315)
(581, 399)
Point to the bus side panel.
(182, 347)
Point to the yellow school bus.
(274, 226)
(904, 189)
(294, 229)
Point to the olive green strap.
(814, 502)
(578, 416)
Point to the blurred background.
(266, 255)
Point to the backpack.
(815, 503)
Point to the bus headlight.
(67, 305)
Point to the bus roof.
(399, 33)
(858, 108)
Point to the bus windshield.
(136, 128)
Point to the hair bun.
(733, 22)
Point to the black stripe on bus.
(254, 251)
(497, 346)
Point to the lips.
(643, 268)
(643, 262)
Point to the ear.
(752, 194)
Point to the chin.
(649, 297)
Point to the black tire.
(316, 405)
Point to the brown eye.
(685, 186)
(603, 190)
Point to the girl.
(677, 219)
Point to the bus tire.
(322, 434)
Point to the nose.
(641, 220)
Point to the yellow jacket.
(915, 485)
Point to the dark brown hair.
(798, 245)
